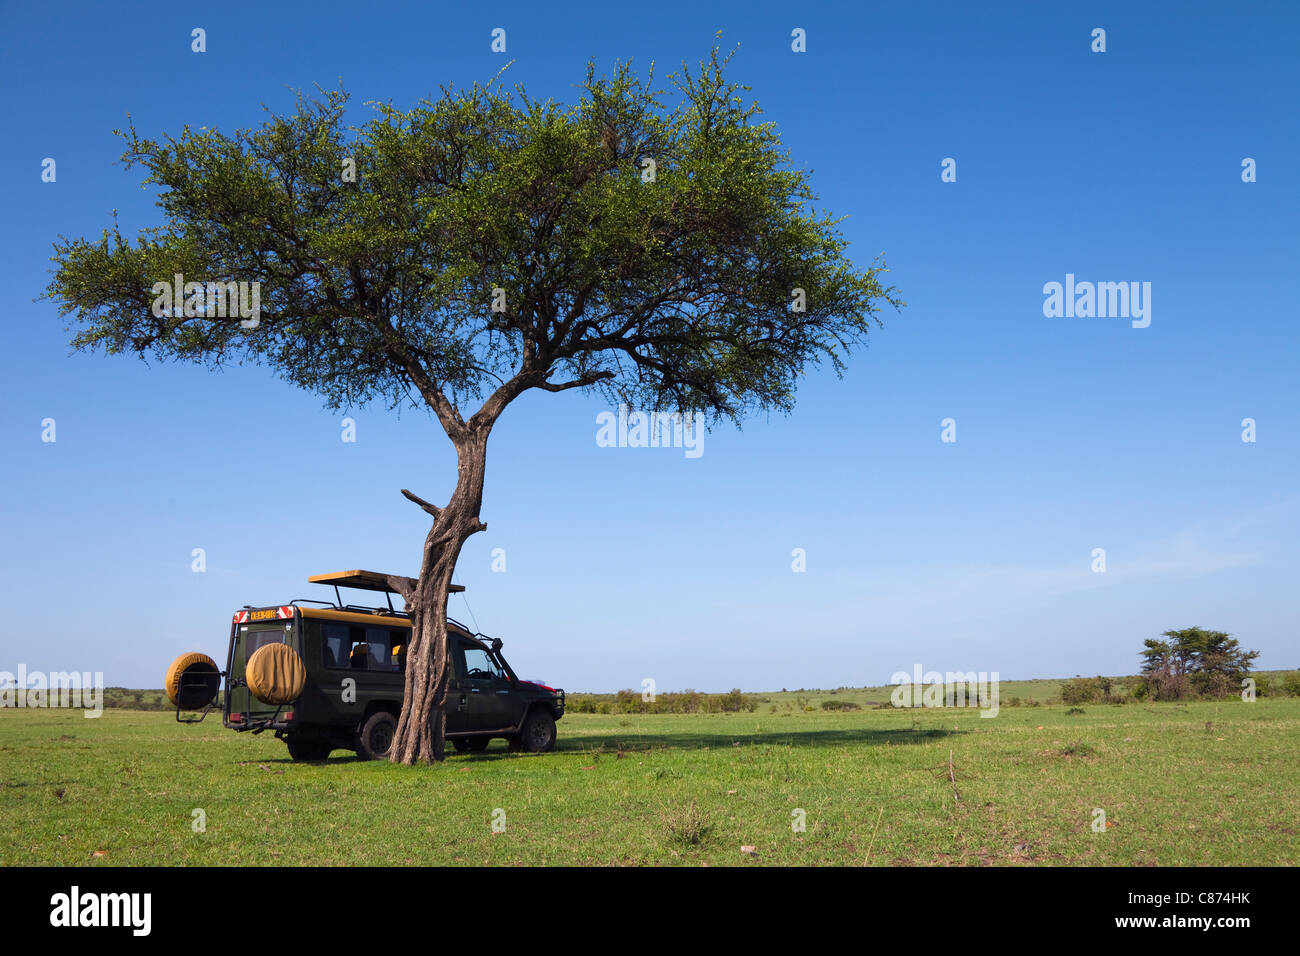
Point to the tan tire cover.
(275, 674)
(179, 667)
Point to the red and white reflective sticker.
(241, 617)
(286, 612)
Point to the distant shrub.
(1149, 691)
(1075, 710)
(840, 705)
(1163, 687)
(1215, 684)
(1291, 684)
(1082, 690)
(689, 701)
(732, 701)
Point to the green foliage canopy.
(670, 290)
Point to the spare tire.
(275, 674)
(192, 681)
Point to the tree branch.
(402, 585)
(431, 509)
(582, 382)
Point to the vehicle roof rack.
(374, 610)
(366, 581)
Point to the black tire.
(307, 749)
(538, 733)
(376, 736)
(470, 745)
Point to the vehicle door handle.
(503, 692)
(473, 690)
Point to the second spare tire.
(192, 681)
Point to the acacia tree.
(654, 245)
(1211, 662)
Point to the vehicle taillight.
(236, 718)
(288, 715)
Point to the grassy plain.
(1180, 784)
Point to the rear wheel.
(307, 749)
(538, 733)
(376, 736)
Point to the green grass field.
(1180, 784)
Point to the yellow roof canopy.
(365, 581)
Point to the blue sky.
(622, 564)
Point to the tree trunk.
(420, 729)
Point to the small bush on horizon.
(839, 705)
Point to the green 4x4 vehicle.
(331, 677)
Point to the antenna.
(471, 611)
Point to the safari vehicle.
(327, 676)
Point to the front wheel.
(376, 736)
(538, 733)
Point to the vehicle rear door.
(248, 638)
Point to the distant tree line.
(683, 702)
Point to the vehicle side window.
(397, 642)
(479, 666)
(350, 647)
(379, 649)
(456, 657)
(335, 645)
